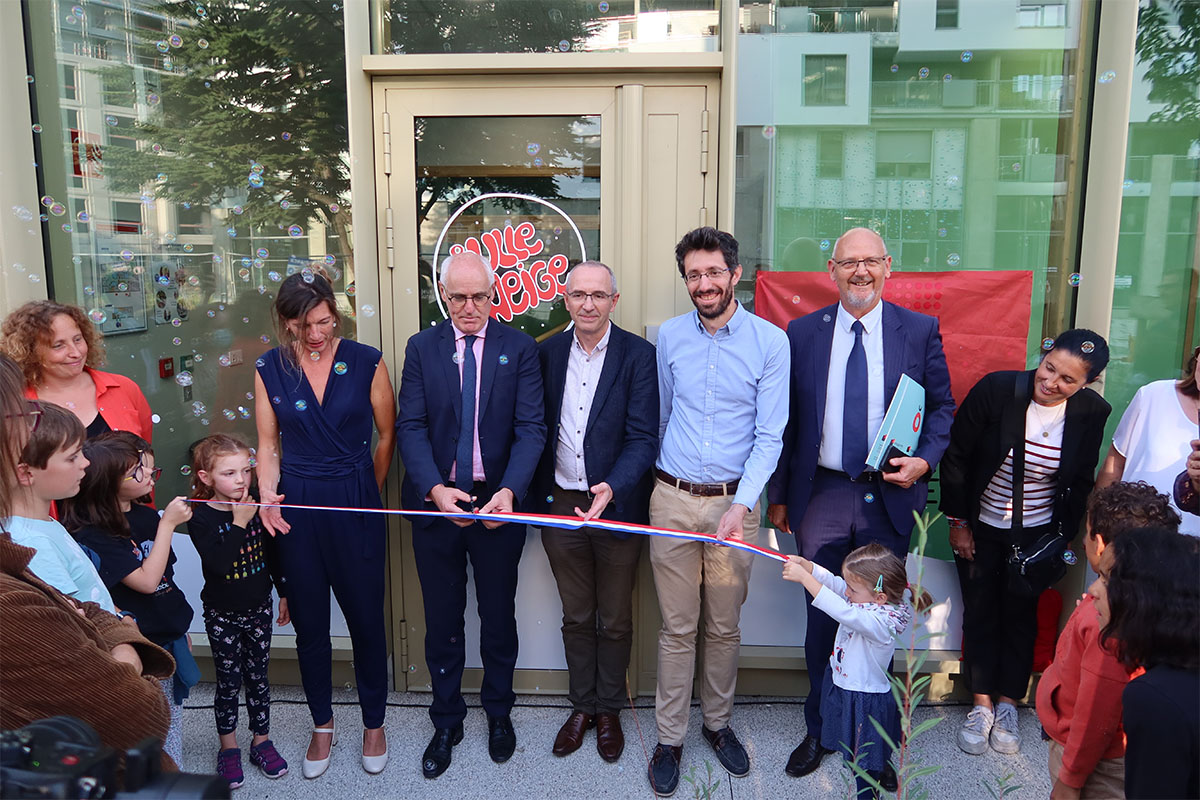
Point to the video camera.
(62, 757)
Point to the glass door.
(535, 174)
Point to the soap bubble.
(953, 259)
(176, 40)
(1047, 343)
(966, 56)
(175, 323)
(603, 7)
(768, 132)
(58, 209)
(152, 99)
(229, 414)
(824, 244)
(330, 260)
(274, 276)
(1108, 76)
(189, 247)
(184, 378)
(98, 316)
(127, 255)
(301, 405)
(155, 418)
(224, 360)
(89, 290)
(244, 412)
(255, 180)
(256, 168)
(185, 470)
(37, 127)
(244, 274)
(211, 313)
(287, 137)
(923, 72)
(202, 44)
(895, 67)
(350, 290)
(295, 231)
(262, 252)
(276, 400)
(368, 310)
(532, 148)
(83, 216)
(265, 339)
(110, 120)
(564, 46)
(1074, 278)
(177, 341)
(162, 45)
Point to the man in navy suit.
(601, 386)
(471, 432)
(846, 362)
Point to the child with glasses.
(133, 544)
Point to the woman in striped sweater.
(1045, 426)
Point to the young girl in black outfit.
(239, 565)
(109, 517)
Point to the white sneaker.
(973, 735)
(1005, 736)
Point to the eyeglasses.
(596, 297)
(139, 472)
(692, 278)
(874, 262)
(460, 300)
(32, 414)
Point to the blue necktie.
(464, 458)
(854, 407)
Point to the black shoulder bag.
(1039, 565)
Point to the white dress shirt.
(830, 456)
(583, 373)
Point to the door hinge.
(403, 645)
(704, 142)
(703, 216)
(387, 143)
(390, 238)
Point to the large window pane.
(548, 26)
(1155, 293)
(191, 155)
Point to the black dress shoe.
(729, 751)
(664, 769)
(502, 740)
(437, 754)
(888, 780)
(805, 758)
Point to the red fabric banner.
(984, 316)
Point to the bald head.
(860, 266)
(855, 235)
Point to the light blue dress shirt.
(723, 401)
(830, 456)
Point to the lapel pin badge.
(827, 318)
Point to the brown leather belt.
(698, 489)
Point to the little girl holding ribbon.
(240, 564)
(868, 602)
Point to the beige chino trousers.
(695, 578)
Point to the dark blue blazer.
(912, 345)
(621, 440)
(512, 432)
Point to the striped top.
(1043, 452)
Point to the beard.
(722, 303)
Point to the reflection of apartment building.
(943, 124)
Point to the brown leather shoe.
(610, 741)
(570, 735)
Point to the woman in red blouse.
(59, 349)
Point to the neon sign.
(527, 274)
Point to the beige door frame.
(658, 180)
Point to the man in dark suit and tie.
(601, 387)
(471, 432)
(846, 362)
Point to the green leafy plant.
(704, 787)
(1000, 787)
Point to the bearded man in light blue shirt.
(723, 400)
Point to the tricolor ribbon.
(541, 521)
